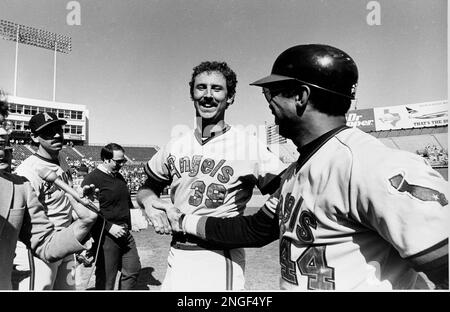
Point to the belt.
(184, 246)
(190, 242)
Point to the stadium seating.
(414, 142)
(442, 139)
(68, 151)
(139, 154)
(89, 151)
(20, 152)
(133, 171)
(135, 154)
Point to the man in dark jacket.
(118, 250)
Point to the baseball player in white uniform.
(47, 132)
(351, 213)
(211, 171)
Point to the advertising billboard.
(419, 115)
(362, 119)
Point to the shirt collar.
(53, 161)
(103, 168)
(203, 141)
(306, 151)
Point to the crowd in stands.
(134, 174)
(87, 162)
(434, 155)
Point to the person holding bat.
(47, 134)
(23, 217)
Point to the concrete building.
(22, 109)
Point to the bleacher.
(89, 151)
(442, 138)
(68, 151)
(20, 152)
(410, 143)
(139, 154)
(135, 154)
(413, 139)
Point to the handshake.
(164, 217)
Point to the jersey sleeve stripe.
(270, 206)
(430, 257)
(268, 211)
(201, 227)
(154, 176)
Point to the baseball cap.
(43, 120)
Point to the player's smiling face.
(210, 96)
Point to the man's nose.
(208, 93)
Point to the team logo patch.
(423, 193)
(47, 117)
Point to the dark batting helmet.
(317, 65)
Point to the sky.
(131, 61)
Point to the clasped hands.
(164, 217)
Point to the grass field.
(262, 264)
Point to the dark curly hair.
(221, 67)
(4, 108)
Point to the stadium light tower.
(38, 38)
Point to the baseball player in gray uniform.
(351, 213)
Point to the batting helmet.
(317, 65)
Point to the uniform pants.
(59, 275)
(117, 255)
(204, 270)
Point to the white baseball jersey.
(56, 203)
(214, 177)
(353, 213)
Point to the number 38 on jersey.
(214, 194)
